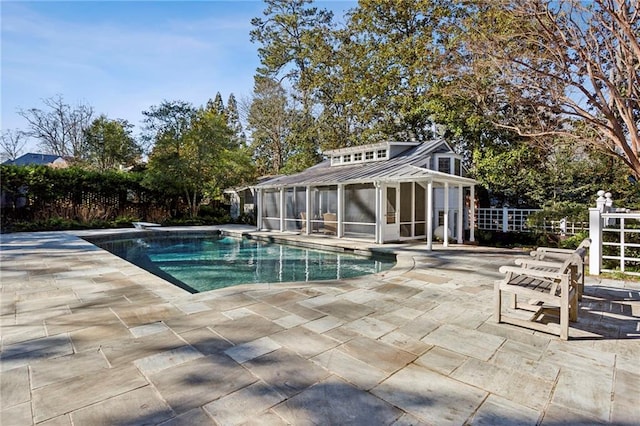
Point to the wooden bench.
(547, 288)
(556, 256)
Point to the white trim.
(472, 208)
(429, 215)
(460, 214)
(446, 215)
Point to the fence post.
(595, 233)
(505, 219)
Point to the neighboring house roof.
(407, 166)
(35, 159)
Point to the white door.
(391, 213)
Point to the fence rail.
(617, 238)
(515, 220)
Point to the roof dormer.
(367, 153)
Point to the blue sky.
(121, 57)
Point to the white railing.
(503, 219)
(614, 237)
(515, 220)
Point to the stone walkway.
(89, 339)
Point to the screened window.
(360, 203)
(444, 164)
(271, 209)
(360, 210)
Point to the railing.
(515, 220)
(503, 219)
(615, 242)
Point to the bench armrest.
(533, 273)
(539, 263)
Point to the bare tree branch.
(570, 60)
(12, 144)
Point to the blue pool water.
(206, 262)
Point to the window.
(346, 158)
(382, 153)
(457, 167)
(444, 164)
(368, 155)
(357, 156)
(335, 160)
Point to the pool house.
(384, 192)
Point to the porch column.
(379, 210)
(460, 224)
(340, 215)
(446, 215)
(307, 225)
(429, 215)
(258, 208)
(282, 212)
(472, 209)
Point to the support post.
(340, 212)
(505, 219)
(460, 224)
(282, 211)
(307, 200)
(258, 208)
(430, 215)
(379, 210)
(472, 208)
(446, 215)
(595, 249)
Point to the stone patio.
(89, 339)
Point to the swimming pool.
(202, 262)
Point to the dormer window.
(444, 165)
(382, 153)
(368, 155)
(346, 158)
(336, 160)
(357, 156)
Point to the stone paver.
(87, 338)
(430, 396)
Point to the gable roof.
(33, 159)
(409, 165)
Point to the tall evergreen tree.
(270, 123)
(233, 121)
(287, 35)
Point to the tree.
(574, 66)
(194, 155)
(233, 121)
(288, 34)
(12, 142)
(269, 120)
(60, 129)
(110, 144)
(216, 105)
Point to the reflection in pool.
(201, 262)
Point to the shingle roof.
(407, 166)
(32, 158)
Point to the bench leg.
(573, 307)
(497, 306)
(564, 311)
